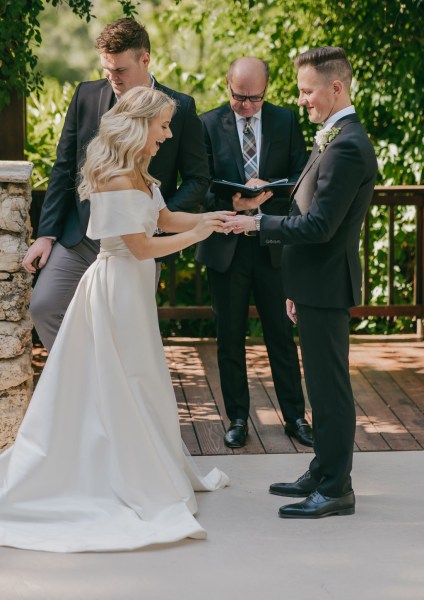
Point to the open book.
(281, 188)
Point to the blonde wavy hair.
(123, 131)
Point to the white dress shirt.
(331, 121)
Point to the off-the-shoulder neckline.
(127, 190)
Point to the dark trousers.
(324, 340)
(251, 272)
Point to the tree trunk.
(12, 129)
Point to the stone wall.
(15, 290)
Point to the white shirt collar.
(257, 115)
(152, 80)
(349, 110)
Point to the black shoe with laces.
(301, 488)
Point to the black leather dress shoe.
(236, 434)
(301, 430)
(301, 488)
(317, 506)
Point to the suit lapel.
(315, 154)
(266, 136)
(230, 131)
(105, 101)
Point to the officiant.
(252, 141)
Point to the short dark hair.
(330, 61)
(124, 34)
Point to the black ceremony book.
(281, 188)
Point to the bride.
(98, 463)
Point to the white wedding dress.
(98, 463)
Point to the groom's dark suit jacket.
(322, 274)
(283, 154)
(65, 217)
(321, 265)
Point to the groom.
(322, 271)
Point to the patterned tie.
(250, 158)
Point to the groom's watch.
(257, 218)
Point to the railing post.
(391, 257)
(366, 265)
(419, 268)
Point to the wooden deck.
(387, 378)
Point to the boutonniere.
(324, 137)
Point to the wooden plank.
(403, 389)
(394, 310)
(203, 410)
(264, 417)
(166, 313)
(383, 418)
(367, 436)
(207, 352)
(188, 433)
(407, 414)
(268, 384)
(268, 419)
(412, 385)
(370, 360)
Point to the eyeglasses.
(240, 98)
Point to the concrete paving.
(250, 553)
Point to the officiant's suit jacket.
(321, 265)
(65, 217)
(283, 154)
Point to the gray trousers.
(56, 285)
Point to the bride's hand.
(210, 222)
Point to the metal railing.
(389, 197)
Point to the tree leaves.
(20, 35)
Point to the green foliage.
(405, 221)
(194, 42)
(185, 274)
(20, 35)
(45, 117)
(382, 39)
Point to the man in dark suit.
(322, 270)
(251, 140)
(124, 49)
